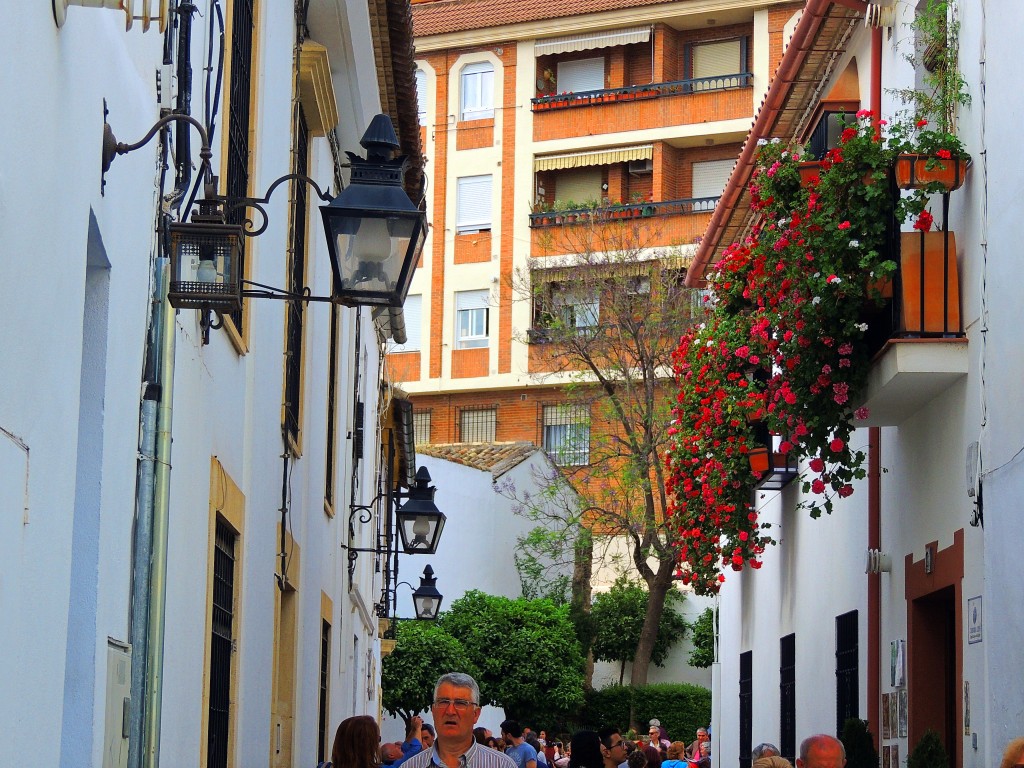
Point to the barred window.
(478, 425)
(566, 436)
(421, 426)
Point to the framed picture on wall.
(887, 757)
(886, 722)
(894, 714)
(903, 716)
(895, 763)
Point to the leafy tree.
(525, 652)
(618, 617)
(859, 744)
(607, 323)
(423, 652)
(703, 639)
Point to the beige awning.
(592, 40)
(599, 157)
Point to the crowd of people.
(455, 741)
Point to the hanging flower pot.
(918, 171)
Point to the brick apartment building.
(533, 115)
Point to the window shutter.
(710, 177)
(413, 312)
(581, 75)
(714, 59)
(579, 186)
(421, 95)
(473, 208)
(472, 300)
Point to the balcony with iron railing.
(654, 105)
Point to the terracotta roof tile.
(496, 458)
(435, 18)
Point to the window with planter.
(473, 204)
(476, 84)
(581, 75)
(472, 312)
(566, 434)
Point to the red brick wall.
(508, 167)
(404, 366)
(678, 229)
(638, 64)
(472, 134)
(441, 63)
(473, 248)
(470, 363)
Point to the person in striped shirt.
(456, 708)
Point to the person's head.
(1013, 755)
(613, 746)
(764, 749)
(356, 743)
(655, 733)
(702, 734)
(637, 759)
(456, 708)
(531, 739)
(480, 734)
(771, 761)
(821, 751)
(653, 756)
(585, 750)
(543, 735)
(511, 728)
(390, 751)
(427, 735)
(676, 750)
(499, 744)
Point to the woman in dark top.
(585, 750)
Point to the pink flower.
(861, 413)
(836, 445)
(845, 349)
(742, 351)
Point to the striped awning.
(598, 157)
(592, 40)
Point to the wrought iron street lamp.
(426, 599)
(419, 520)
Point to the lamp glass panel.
(371, 251)
(204, 268)
(426, 606)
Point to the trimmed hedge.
(681, 708)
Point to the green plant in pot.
(859, 744)
(932, 156)
(928, 752)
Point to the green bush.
(860, 747)
(681, 708)
(928, 753)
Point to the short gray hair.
(459, 680)
(819, 738)
(764, 749)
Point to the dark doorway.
(933, 666)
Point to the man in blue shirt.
(522, 753)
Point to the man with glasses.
(613, 747)
(456, 709)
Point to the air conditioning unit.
(641, 166)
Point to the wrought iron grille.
(566, 434)
(325, 665)
(297, 282)
(787, 697)
(746, 707)
(239, 119)
(332, 405)
(421, 426)
(478, 425)
(221, 641)
(847, 669)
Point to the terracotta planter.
(929, 284)
(917, 171)
(809, 170)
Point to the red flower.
(922, 123)
(817, 465)
(844, 225)
(818, 486)
(944, 154)
(836, 445)
(845, 491)
(924, 221)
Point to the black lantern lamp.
(205, 258)
(420, 522)
(374, 231)
(426, 599)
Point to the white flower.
(762, 142)
(855, 243)
(816, 300)
(862, 327)
(776, 140)
(783, 222)
(816, 275)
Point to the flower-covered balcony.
(641, 77)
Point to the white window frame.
(421, 96)
(472, 319)
(476, 91)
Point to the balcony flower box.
(920, 171)
(929, 284)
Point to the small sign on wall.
(898, 663)
(974, 619)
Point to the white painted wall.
(75, 274)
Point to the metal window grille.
(325, 665)
(787, 696)
(477, 425)
(332, 405)
(239, 118)
(296, 282)
(746, 707)
(847, 669)
(566, 434)
(221, 642)
(421, 426)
